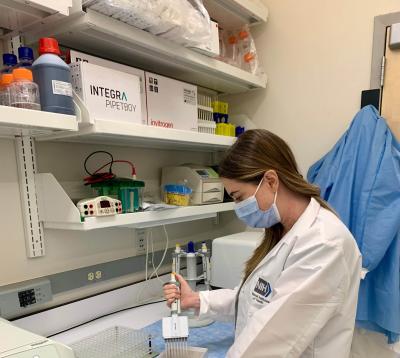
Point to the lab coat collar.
(301, 225)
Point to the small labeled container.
(177, 194)
(6, 80)
(24, 93)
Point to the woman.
(299, 292)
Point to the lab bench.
(217, 337)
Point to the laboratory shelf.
(106, 37)
(138, 135)
(97, 130)
(19, 121)
(57, 211)
(231, 14)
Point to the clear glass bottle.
(6, 80)
(24, 93)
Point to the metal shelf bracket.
(26, 161)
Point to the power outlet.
(140, 241)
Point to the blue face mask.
(249, 212)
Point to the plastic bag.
(183, 21)
(240, 51)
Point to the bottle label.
(62, 88)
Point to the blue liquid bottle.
(9, 62)
(52, 75)
(25, 57)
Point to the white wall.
(317, 55)
(69, 250)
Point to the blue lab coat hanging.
(360, 179)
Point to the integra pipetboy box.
(76, 56)
(108, 94)
(171, 103)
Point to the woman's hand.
(189, 298)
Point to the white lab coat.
(301, 299)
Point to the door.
(390, 97)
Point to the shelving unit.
(59, 212)
(231, 14)
(97, 130)
(137, 135)
(109, 38)
(17, 15)
(19, 121)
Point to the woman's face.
(240, 191)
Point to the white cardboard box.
(171, 103)
(77, 56)
(107, 93)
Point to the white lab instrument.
(18, 343)
(204, 181)
(114, 342)
(191, 256)
(99, 206)
(229, 256)
(175, 329)
(309, 279)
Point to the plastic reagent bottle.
(6, 80)
(52, 75)
(25, 57)
(9, 62)
(24, 93)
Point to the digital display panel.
(203, 173)
(105, 204)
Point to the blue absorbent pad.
(217, 338)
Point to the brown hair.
(255, 152)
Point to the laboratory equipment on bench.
(204, 181)
(99, 206)
(128, 190)
(229, 256)
(175, 194)
(175, 329)
(191, 256)
(18, 343)
(115, 342)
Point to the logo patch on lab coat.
(261, 291)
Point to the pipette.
(175, 329)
